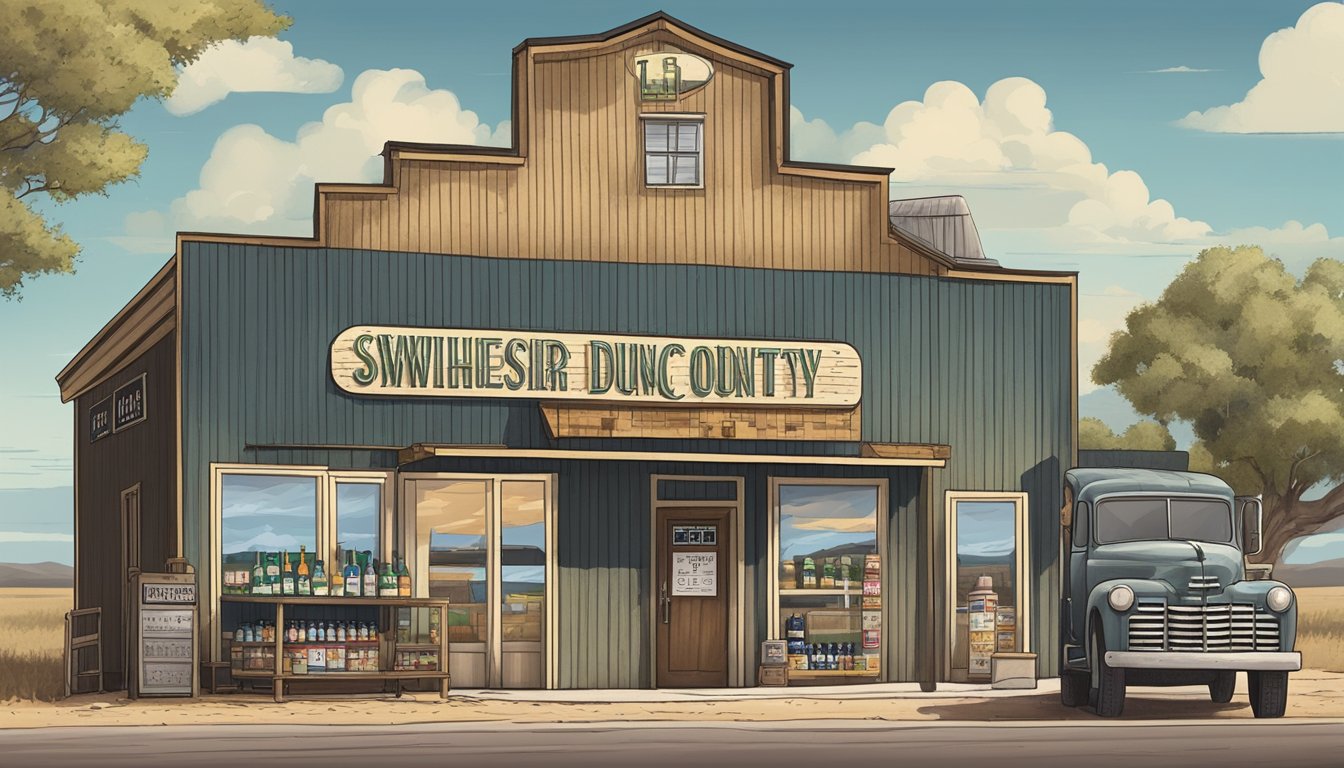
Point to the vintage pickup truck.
(1155, 591)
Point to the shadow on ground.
(1047, 707)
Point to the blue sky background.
(1095, 63)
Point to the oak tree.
(1146, 435)
(68, 70)
(1252, 357)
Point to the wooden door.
(693, 554)
(130, 566)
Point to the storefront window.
(263, 514)
(829, 577)
(357, 516)
(987, 571)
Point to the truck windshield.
(1146, 519)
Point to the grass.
(32, 627)
(1320, 627)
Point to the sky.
(1113, 139)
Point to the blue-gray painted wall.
(983, 366)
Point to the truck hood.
(1175, 562)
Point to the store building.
(630, 393)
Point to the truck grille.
(1204, 582)
(1156, 626)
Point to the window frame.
(774, 629)
(672, 118)
(1022, 598)
(1168, 497)
(324, 521)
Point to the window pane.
(523, 559)
(986, 559)
(655, 169)
(655, 136)
(357, 506)
(1131, 520)
(687, 169)
(824, 522)
(1201, 520)
(264, 513)
(688, 137)
(450, 524)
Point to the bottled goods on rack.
(303, 583)
(356, 575)
(403, 579)
(320, 588)
(287, 577)
(370, 584)
(387, 581)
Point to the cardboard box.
(772, 675)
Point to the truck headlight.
(1278, 599)
(1120, 597)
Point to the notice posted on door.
(695, 574)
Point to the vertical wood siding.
(981, 366)
(144, 454)
(580, 192)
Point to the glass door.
(987, 568)
(483, 543)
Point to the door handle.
(667, 604)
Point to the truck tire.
(1073, 688)
(1108, 683)
(1269, 693)
(1222, 687)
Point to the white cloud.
(1302, 82)
(16, 537)
(258, 183)
(1042, 200)
(1182, 69)
(260, 65)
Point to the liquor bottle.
(340, 632)
(809, 573)
(272, 574)
(336, 579)
(286, 575)
(258, 576)
(303, 582)
(370, 587)
(403, 579)
(319, 580)
(828, 574)
(842, 572)
(387, 582)
(292, 633)
(352, 575)
(312, 632)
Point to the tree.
(1093, 434)
(68, 70)
(1253, 358)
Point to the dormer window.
(674, 150)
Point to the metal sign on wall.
(445, 362)
(100, 420)
(128, 404)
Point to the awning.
(871, 455)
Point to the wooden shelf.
(808, 674)
(412, 602)
(417, 646)
(821, 592)
(380, 675)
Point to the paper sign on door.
(695, 574)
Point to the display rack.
(279, 677)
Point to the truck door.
(1077, 572)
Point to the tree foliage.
(1253, 358)
(1147, 435)
(67, 71)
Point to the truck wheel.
(1220, 690)
(1108, 683)
(1073, 688)
(1269, 693)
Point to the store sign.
(100, 420)
(666, 75)
(128, 404)
(380, 360)
(695, 574)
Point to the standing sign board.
(166, 648)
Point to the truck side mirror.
(1252, 525)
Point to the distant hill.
(46, 574)
(1329, 573)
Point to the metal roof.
(944, 223)
(1089, 484)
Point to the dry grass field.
(32, 626)
(1320, 627)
